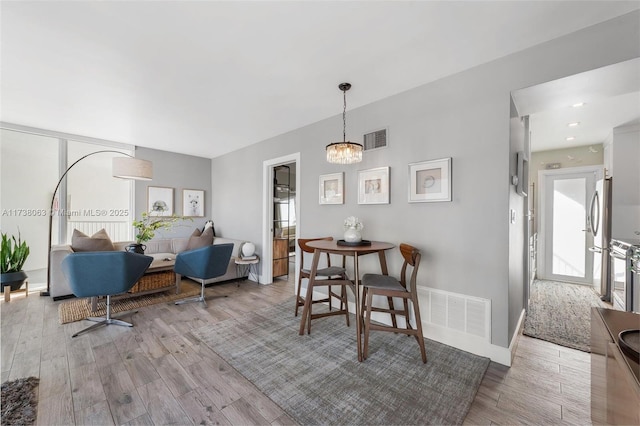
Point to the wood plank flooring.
(157, 373)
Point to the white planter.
(352, 235)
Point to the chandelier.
(344, 152)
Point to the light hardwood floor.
(157, 373)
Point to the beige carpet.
(561, 313)
(79, 309)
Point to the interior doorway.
(571, 121)
(284, 219)
(281, 216)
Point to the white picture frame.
(193, 203)
(159, 201)
(331, 188)
(430, 181)
(373, 186)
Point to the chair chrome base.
(192, 299)
(100, 321)
(200, 298)
(103, 321)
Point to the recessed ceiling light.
(574, 124)
(570, 138)
(578, 105)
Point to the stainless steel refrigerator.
(599, 221)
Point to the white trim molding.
(470, 326)
(266, 276)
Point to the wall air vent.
(375, 140)
(453, 311)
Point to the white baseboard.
(460, 340)
(516, 335)
(467, 343)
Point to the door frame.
(267, 212)
(543, 175)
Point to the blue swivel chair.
(203, 264)
(104, 274)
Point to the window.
(94, 198)
(89, 199)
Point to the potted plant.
(13, 255)
(147, 227)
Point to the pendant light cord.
(344, 117)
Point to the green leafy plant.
(148, 225)
(635, 261)
(353, 222)
(14, 254)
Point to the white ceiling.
(611, 97)
(206, 78)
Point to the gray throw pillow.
(99, 241)
(200, 239)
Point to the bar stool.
(390, 287)
(328, 276)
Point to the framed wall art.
(332, 188)
(193, 203)
(430, 181)
(373, 186)
(159, 201)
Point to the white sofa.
(158, 249)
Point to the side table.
(246, 266)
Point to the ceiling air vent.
(374, 140)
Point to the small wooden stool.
(7, 291)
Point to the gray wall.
(180, 172)
(465, 242)
(517, 228)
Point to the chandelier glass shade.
(344, 152)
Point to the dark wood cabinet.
(280, 257)
(615, 377)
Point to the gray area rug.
(317, 378)
(561, 313)
(19, 401)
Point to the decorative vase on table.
(353, 230)
(352, 235)
(247, 249)
(136, 248)
(146, 229)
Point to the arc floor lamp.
(127, 167)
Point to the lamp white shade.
(132, 168)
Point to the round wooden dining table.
(356, 251)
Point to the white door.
(567, 237)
